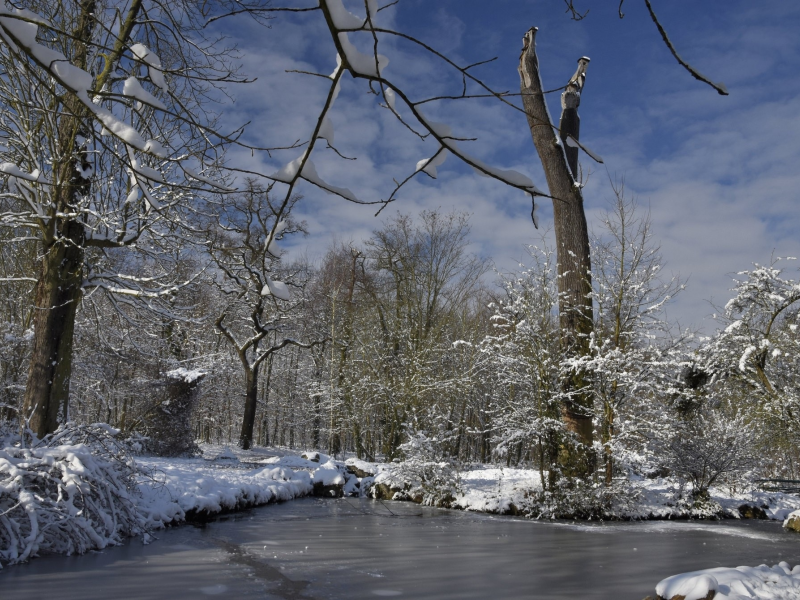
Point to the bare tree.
(96, 125)
(243, 245)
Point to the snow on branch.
(372, 67)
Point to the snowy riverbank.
(169, 491)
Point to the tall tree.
(558, 152)
(94, 121)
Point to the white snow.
(429, 165)
(391, 98)
(341, 17)
(272, 238)
(134, 89)
(445, 136)
(153, 62)
(362, 465)
(187, 375)
(195, 175)
(328, 474)
(779, 582)
(184, 485)
(363, 64)
(573, 143)
(276, 288)
(288, 173)
(156, 148)
(145, 171)
(15, 171)
(495, 489)
(326, 130)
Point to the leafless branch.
(719, 86)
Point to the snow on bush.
(711, 448)
(72, 493)
(426, 471)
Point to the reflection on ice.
(214, 590)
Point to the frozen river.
(345, 549)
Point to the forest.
(151, 287)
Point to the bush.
(431, 474)
(709, 448)
(75, 491)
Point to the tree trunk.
(58, 292)
(250, 405)
(572, 247)
(168, 425)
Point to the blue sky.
(720, 175)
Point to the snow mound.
(227, 454)
(328, 474)
(180, 486)
(779, 582)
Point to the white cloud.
(719, 174)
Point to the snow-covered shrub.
(427, 469)
(72, 493)
(581, 499)
(754, 361)
(9, 433)
(713, 446)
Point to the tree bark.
(572, 247)
(250, 405)
(58, 292)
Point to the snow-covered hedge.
(72, 493)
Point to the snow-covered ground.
(170, 490)
(225, 478)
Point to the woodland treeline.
(408, 335)
(143, 282)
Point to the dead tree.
(558, 151)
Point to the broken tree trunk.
(560, 163)
(168, 425)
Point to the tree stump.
(169, 425)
